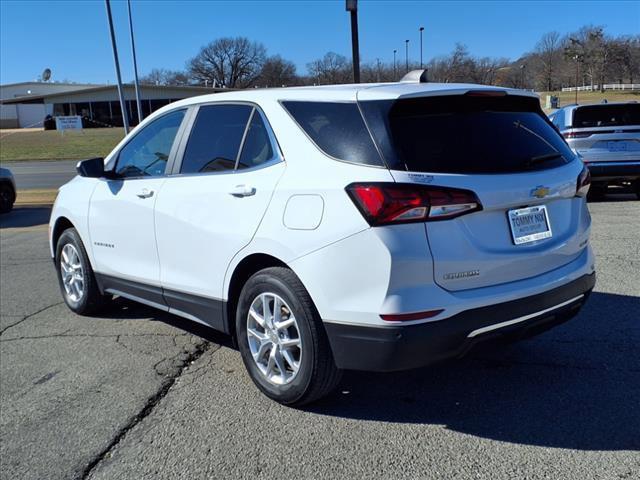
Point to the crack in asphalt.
(80, 335)
(149, 406)
(29, 316)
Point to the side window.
(147, 153)
(215, 138)
(558, 119)
(257, 149)
(337, 129)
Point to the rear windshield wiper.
(543, 158)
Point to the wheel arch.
(248, 266)
(61, 224)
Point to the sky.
(72, 37)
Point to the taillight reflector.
(405, 317)
(391, 203)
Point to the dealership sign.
(69, 123)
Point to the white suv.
(371, 227)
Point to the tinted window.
(215, 138)
(606, 115)
(337, 129)
(148, 152)
(464, 134)
(558, 119)
(257, 149)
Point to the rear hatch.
(502, 149)
(606, 132)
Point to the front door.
(121, 212)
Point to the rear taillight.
(584, 182)
(577, 134)
(392, 203)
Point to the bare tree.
(162, 76)
(277, 72)
(550, 57)
(228, 62)
(330, 69)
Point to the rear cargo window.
(337, 129)
(606, 116)
(464, 134)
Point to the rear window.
(465, 134)
(606, 116)
(337, 129)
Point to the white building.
(30, 115)
(27, 104)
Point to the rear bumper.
(603, 171)
(404, 347)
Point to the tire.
(317, 374)
(7, 197)
(597, 191)
(636, 188)
(85, 300)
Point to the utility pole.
(352, 8)
(406, 55)
(421, 30)
(135, 66)
(123, 105)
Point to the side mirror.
(91, 168)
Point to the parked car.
(606, 137)
(7, 190)
(371, 227)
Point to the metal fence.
(606, 86)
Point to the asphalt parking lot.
(131, 395)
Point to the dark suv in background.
(606, 137)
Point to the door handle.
(242, 191)
(145, 193)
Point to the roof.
(40, 98)
(51, 83)
(352, 92)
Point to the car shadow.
(575, 387)
(26, 216)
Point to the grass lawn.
(53, 145)
(568, 98)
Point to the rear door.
(504, 150)
(212, 205)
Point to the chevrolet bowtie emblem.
(540, 192)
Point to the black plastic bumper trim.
(405, 347)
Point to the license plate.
(617, 146)
(529, 224)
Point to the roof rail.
(415, 76)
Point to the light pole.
(135, 66)
(406, 55)
(576, 58)
(123, 106)
(352, 8)
(421, 30)
(395, 73)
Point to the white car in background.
(372, 227)
(606, 137)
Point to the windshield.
(465, 134)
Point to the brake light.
(577, 134)
(393, 203)
(584, 182)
